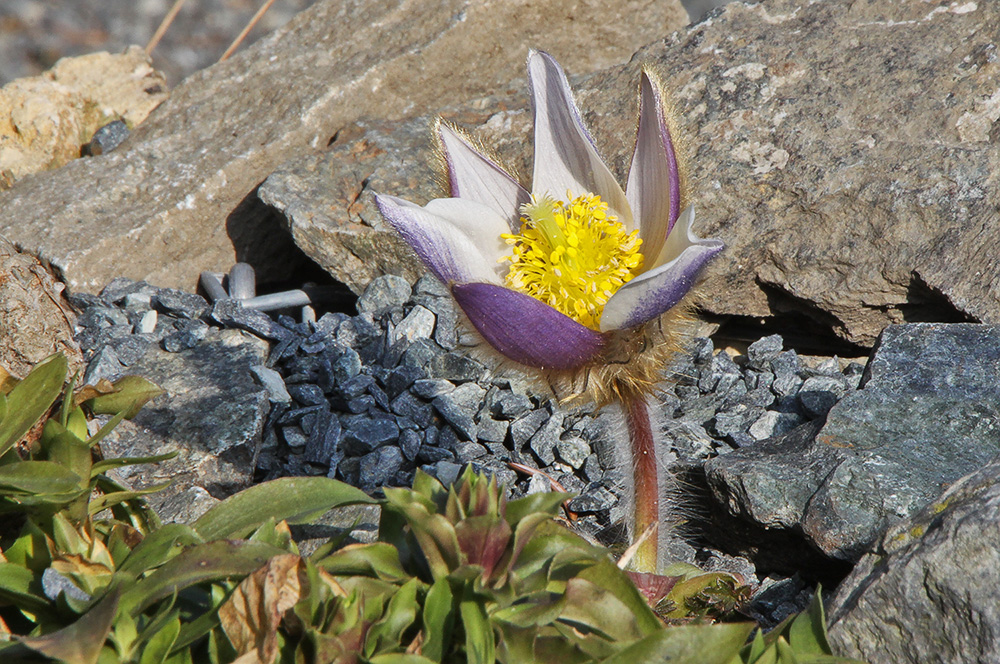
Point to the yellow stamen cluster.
(572, 256)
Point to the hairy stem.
(646, 491)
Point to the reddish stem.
(647, 486)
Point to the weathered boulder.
(35, 320)
(177, 197)
(929, 593)
(926, 414)
(45, 120)
(841, 149)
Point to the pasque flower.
(574, 277)
(548, 276)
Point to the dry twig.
(256, 17)
(164, 24)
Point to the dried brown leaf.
(252, 614)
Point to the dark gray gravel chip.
(427, 454)
(420, 354)
(544, 441)
(380, 466)
(467, 451)
(119, 287)
(100, 317)
(355, 387)
(384, 293)
(401, 378)
(179, 303)
(595, 498)
(413, 408)
(786, 367)
(104, 364)
(409, 444)
(524, 427)
(459, 408)
(189, 336)
(323, 445)
(363, 435)
(380, 398)
(346, 367)
(307, 394)
(429, 388)
(762, 352)
(326, 326)
(231, 313)
(455, 367)
(361, 404)
(510, 405)
(492, 431)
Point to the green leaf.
(157, 548)
(294, 499)
(479, 642)
(109, 499)
(547, 502)
(65, 448)
(19, 586)
(195, 565)
(43, 478)
(30, 399)
(157, 648)
(439, 620)
(687, 644)
(130, 395)
(401, 658)
(82, 641)
(378, 559)
(534, 610)
(605, 574)
(807, 632)
(387, 633)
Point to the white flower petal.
(657, 290)
(474, 176)
(653, 188)
(565, 156)
(458, 240)
(681, 237)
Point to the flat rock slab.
(177, 197)
(212, 416)
(841, 149)
(929, 594)
(927, 413)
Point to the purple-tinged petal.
(654, 184)
(565, 155)
(458, 240)
(527, 330)
(654, 292)
(474, 176)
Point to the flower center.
(572, 256)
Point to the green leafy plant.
(89, 575)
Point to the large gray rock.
(212, 415)
(929, 594)
(841, 149)
(178, 197)
(928, 413)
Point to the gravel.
(371, 397)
